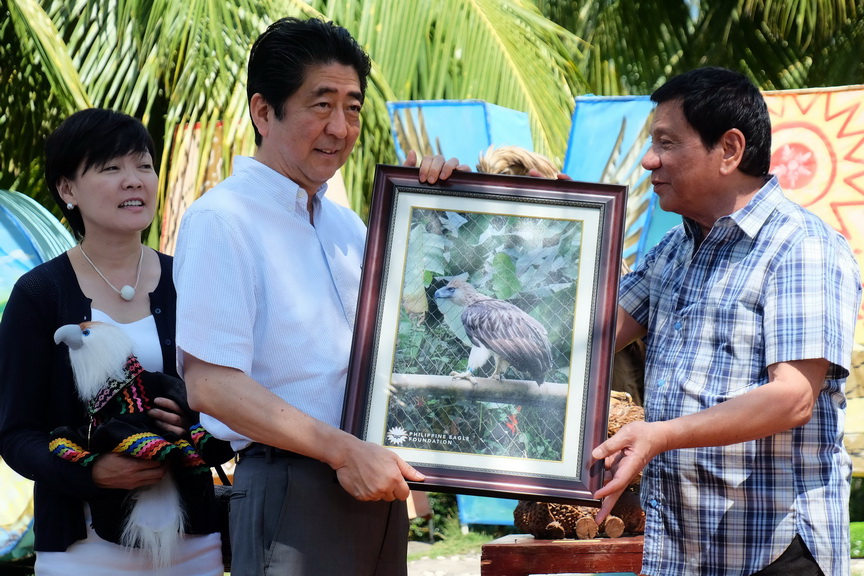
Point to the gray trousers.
(291, 517)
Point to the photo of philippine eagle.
(499, 329)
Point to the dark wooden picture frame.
(549, 249)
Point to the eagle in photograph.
(499, 329)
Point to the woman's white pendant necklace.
(126, 292)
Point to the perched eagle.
(499, 329)
(118, 392)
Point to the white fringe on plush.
(157, 522)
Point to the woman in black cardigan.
(99, 168)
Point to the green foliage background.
(180, 64)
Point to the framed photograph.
(485, 328)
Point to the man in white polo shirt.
(267, 272)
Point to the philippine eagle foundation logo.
(396, 435)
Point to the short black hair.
(283, 53)
(715, 100)
(86, 139)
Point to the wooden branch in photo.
(485, 389)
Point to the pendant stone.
(127, 293)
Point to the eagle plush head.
(97, 352)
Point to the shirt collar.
(282, 189)
(751, 217)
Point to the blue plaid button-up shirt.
(770, 283)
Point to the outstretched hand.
(626, 454)
(434, 168)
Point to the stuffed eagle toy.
(118, 392)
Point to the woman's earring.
(70, 206)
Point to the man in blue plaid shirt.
(748, 310)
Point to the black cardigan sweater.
(37, 395)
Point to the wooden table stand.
(521, 555)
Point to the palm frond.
(805, 21)
(180, 66)
(31, 21)
(505, 53)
